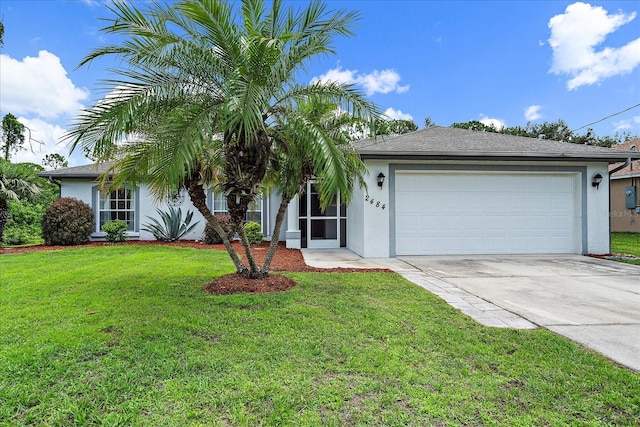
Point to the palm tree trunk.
(198, 198)
(245, 167)
(254, 271)
(4, 216)
(282, 210)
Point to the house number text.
(372, 201)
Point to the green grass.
(124, 335)
(626, 243)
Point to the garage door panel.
(484, 213)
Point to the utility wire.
(608, 117)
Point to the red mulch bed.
(284, 260)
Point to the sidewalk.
(475, 307)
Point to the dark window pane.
(324, 229)
(302, 207)
(315, 205)
(343, 233)
(254, 216)
(303, 232)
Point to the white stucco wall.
(369, 228)
(369, 225)
(598, 227)
(80, 190)
(148, 205)
(374, 220)
(148, 208)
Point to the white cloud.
(384, 81)
(44, 139)
(38, 87)
(574, 37)
(627, 124)
(532, 112)
(496, 123)
(393, 114)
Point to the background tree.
(212, 78)
(475, 125)
(12, 135)
(396, 127)
(1, 33)
(16, 183)
(25, 221)
(379, 126)
(428, 122)
(55, 161)
(555, 131)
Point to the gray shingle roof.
(453, 143)
(442, 143)
(86, 171)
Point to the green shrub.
(254, 232)
(173, 227)
(67, 221)
(210, 236)
(24, 224)
(115, 231)
(16, 236)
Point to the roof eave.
(571, 157)
(70, 176)
(625, 176)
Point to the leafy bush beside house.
(254, 232)
(115, 231)
(67, 221)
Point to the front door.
(322, 229)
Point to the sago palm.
(203, 73)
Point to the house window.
(253, 214)
(117, 204)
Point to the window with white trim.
(253, 214)
(117, 204)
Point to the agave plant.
(173, 227)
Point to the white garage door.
(486, 213)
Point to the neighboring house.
(625, 191)
(436, 191)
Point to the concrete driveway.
(591, 301)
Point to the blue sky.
(501, 62)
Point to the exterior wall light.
(597, 179)
(380, 179)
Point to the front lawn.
(627, 244)
(124, 335)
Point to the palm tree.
(314, 143)
(16, 182)
(202, 79)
